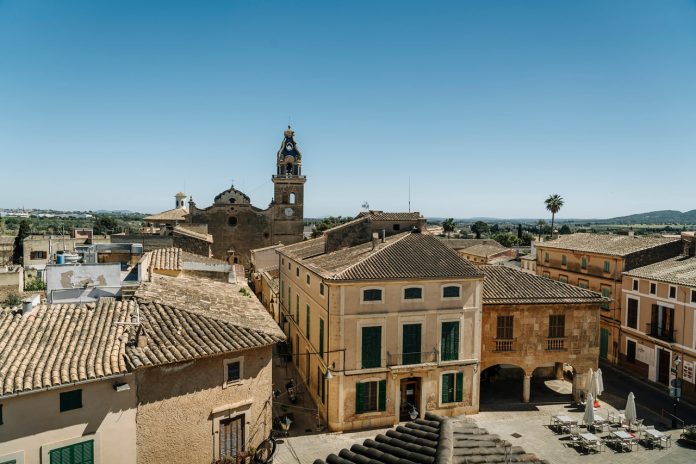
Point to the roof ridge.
(388, 245)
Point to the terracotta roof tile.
(176, 214)
(606, 244)
(485, 249)
(167, 259)
(680, 270)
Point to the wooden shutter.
(307, 322)
(459, 386)
(412, 343)
(446, 387)
(79, 453)
(450, 341)
(371, 347)
(359, 387)
(382, 399)
(321, 338)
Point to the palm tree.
(540, 227)
(554, 203)
(448, 226)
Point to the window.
(632, 314)
(320, 385)
(308, 279)
(546, 257)
(630, 351)
(583, 263)
(504, 328)
(557, 326)
(606, 293)
(70, 400)
(282, 291)
(297, 309)
(635, 285)
(564, 260)
(232, 221)
(449, 341)
(411, 341)
(672, 292)
(233, 370)
(292, 198)
(371, 347)
(321, 337)
(232, 437)
(583, 283)
(693, 296)
(38, 255)
(77, 453)
(653, 288)
(370, 396)
(372, 294)
(396, 227)
(413, 293)
(563, 278)
(297, 271)
(607, 266)
(451, 291)
(307, 322)
(289, 309)
(452, 386)
(289, 266)
(321, 289)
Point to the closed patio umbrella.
(592, 387)
(630, 412)
(600, 381)
(588, 418)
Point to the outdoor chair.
(575, 439)
(666, 441)
(636, 426)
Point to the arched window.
(292, 198)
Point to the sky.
(487, 107)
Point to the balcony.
(406, 359)
(555, 344)
(662, 333)
(505, 344)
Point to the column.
(526, 387)
(559, 371)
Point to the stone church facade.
(237, 226)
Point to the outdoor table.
(590, 441)
(599, 422)
(653, 436)
(561, 422)
(624, 438)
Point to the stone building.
(238, 227)
(537, 325)
(596, 262)
(658, 327)
(180, 374)
(392, 320)
(7, 248)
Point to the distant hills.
(666, 216)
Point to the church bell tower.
(288, 192)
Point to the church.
(237, 226)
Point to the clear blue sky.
(488, 106)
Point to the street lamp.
(675, 390)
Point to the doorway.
(664, 359)
(603, 343)
(410, 397)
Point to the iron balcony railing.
(505, 344)
(663, 333)
(405, 359)
(555, 344)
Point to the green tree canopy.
(479, 227)
(448, 226)
(554, 203)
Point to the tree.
(104, 225)
(565, 230)
(519, 231)
(554, 203)
(34, 285)
(479, 227)
(448, 226)
(540, 227)
(507, 239)
(327, 223)
(24, 232)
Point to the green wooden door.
(449, 345)
(79, 453)
(371, 347)
(412, 344)
(603, 343)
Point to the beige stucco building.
(658, 340)
(596, 262)
(179, 374)
(395, 320)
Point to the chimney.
(28, 304)
(384, 235)
(375, 240)
(142, 338)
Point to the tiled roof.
(167, 259)
(176, 214)
(505, 285)
(606, 244)
(529, 257)
(401, 256)
(212, 298)
(435, 440)
(183, 230)
(462, 243)
(60, 344)
(305, 249)
(187, 257)
(680, 270)
(382, 216)
(485, 249)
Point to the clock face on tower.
(288, 212)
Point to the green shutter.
(297, 308)
(459, 386)
(359, 398)
(79, 453)
(450, 341)
(412, 344)
(9, 462)
(382, 399)
(445, 387)
(321, 338)
(371, 347)
(307, 322)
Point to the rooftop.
(402, 256)
(167, 259)
(176, 214)
(60, 344)
(485, 249)
(606, 244)
(435, 440)
(680, 270)
(462, 243)
(382, 216)
(505, 285)
(183, 230)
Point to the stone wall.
(149, 242)
(349, 234)
(192, 245)
(653, 255)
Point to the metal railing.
(663, 333)
(555, 344)
(405, 359)
(505, 344)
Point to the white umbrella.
(600, 382)
(588, 418)
(630, 411)
(591, 384)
